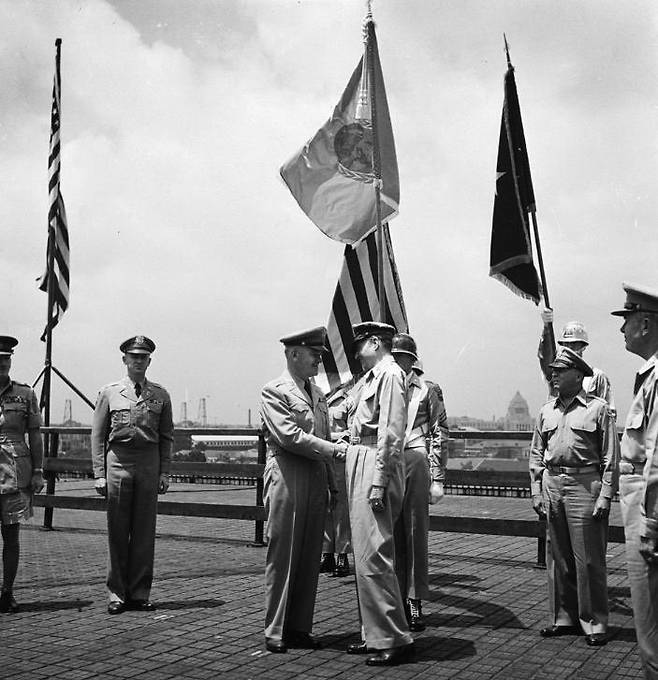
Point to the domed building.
(518, 416)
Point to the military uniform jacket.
(294, 421)
(122, 419)
(380, 418)
(19, 413)
(427, 423)
(580, 434)
(640, 439)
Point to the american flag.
(356, 300)
(57, 256)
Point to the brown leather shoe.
(8, 604)
(359, 647)
(141, 606)
(275, 646)
(596, 639)
(327, 563)
(295, 639)
(116, 608)
(393, 656)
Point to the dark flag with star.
(511, 250)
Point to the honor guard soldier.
(375, 489)
(574, 336)
(425, 439)
(20, 466)
(299, 450)
(638, 471)
(574, 463)
(131, 441)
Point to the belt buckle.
(355, 439)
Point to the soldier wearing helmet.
(573, 336)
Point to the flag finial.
(509, 63)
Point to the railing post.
(260, 524)
(541, 545)
(51, 446)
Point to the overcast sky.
(177, 114)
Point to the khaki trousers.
(412, 527)
(380, 601)
(132, 500)
(643, 578)
(337, 524)
(575, 551)
(296, 504)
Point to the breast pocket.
(302, 414)
(154, 409)
(15, 417)
(121, 417)
(584, 437)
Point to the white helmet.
(574, 331)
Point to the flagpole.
(533, 214)
(369, 30)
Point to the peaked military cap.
(139, 344)
(638, 299)
(403, 343)
(567, 358)
(315, 338)
(367, 329)
(7, 344)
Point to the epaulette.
(20, 384)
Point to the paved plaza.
(488, 602)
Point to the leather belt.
(628, 468)
(563, 470)
(369, 440)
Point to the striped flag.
(57, 255)
(356, 300)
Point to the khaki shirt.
(123, 419)
(381, 415)
(294, 421)
(578, 434)
(429, 429)
(19, 413)
(638, 443)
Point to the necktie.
(307, 387)
(138, 390)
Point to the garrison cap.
(315, 338)
(567, 358)
(7, 344)
(638, 299)
(367, 329)
(403, 343)
(139, 344)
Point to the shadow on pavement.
(190, 604)
(54, 605)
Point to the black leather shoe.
(357, 648)
(275, 646)
(342, 565)
(141, 606)
(557, 631)
(415, 616)
(327, 563)
(596, 639)
(7, 603)
(393, 656)
(116, 608)
(298, 640)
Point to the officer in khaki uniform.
(375, 489)
(638, 471)
(20, 466)
(574, 463)
(425, 439)
(297, 485)
(131, 441)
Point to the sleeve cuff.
(380, 479)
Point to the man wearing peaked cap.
(21, 460)
(424, 463)
(131, 441)
(375, 489)
(574, 336)
(574, 462)
(638, 479)
(297, 482)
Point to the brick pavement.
(487, 604)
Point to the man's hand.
(37, 482)
(601, 508)
(649, 550)
(340, 450)
(376, 498)
(163, 484)
(547, 316)
(101, 486)
(436, 492)
(538, 506)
